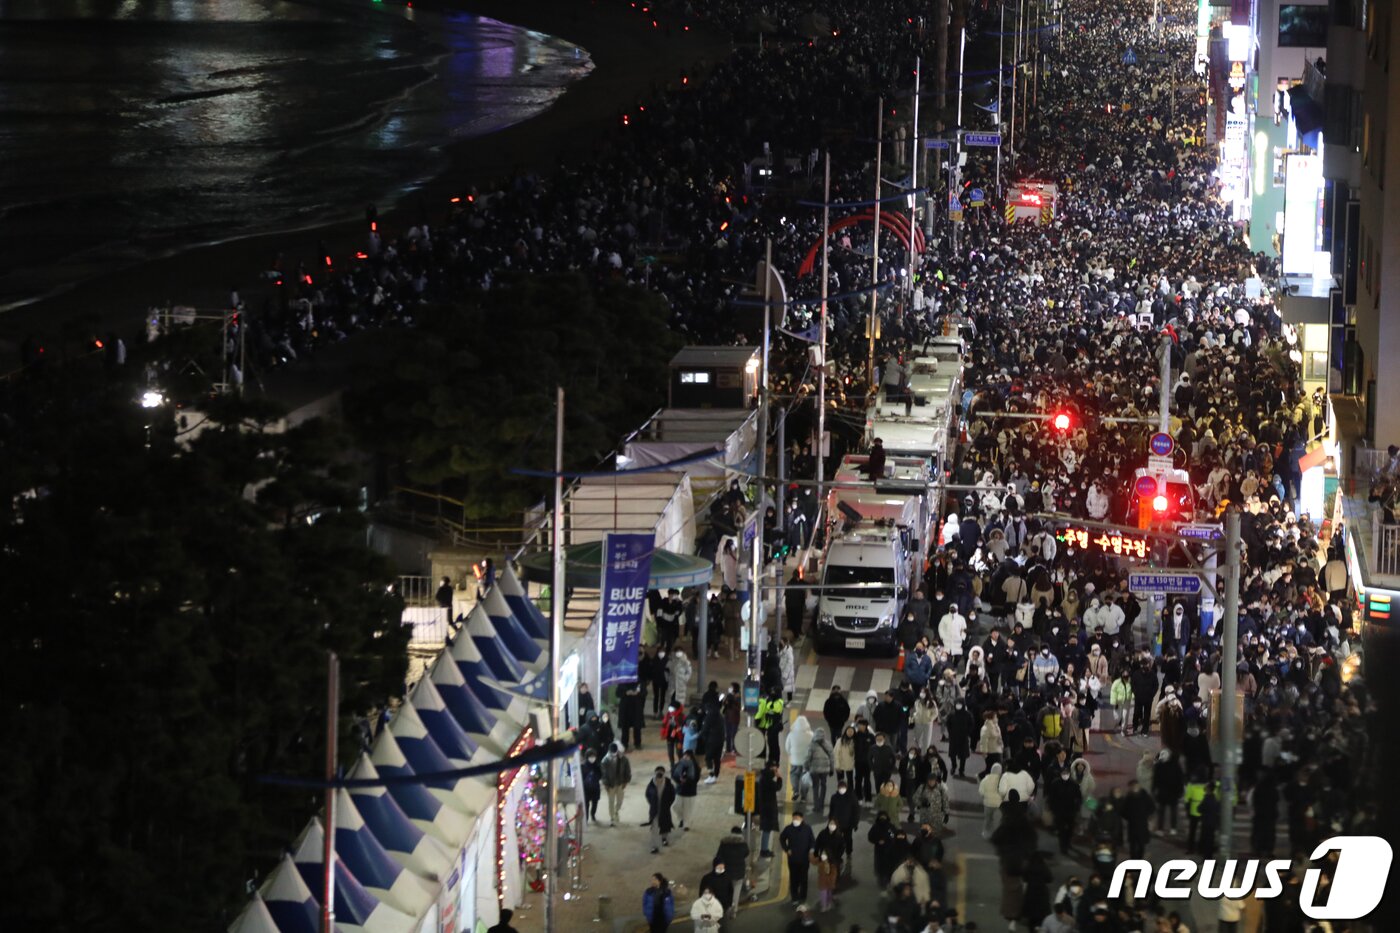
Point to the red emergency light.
(1030, 197)
(1159, 504)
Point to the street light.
(152, 398)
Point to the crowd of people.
(1023, 646)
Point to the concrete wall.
(1378, 304)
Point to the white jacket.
(706, 913)
(952, 631)
(1019, 781)
(990, 788)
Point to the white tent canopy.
(660, 503)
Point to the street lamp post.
(875, 254)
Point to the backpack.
(1051, 724)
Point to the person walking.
(820, 765)
(882, 760)
(769, 784)
(1120, 697)
(616, 773)
(989, 743)
(658, 904)
(1064, 798)
(1168, 784)
(990, 790)
(836, 711)
(591, 775)
(799, 747)
(707, 911)
(1137, 814)
(686, 776)
(661, 796)
(673, 731)
(844, 812)
(798, 842)
(1144, 683)
(844, 757)
(931, 803)
(769, 718)
(631, 714)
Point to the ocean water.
(136, 128)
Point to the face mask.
(797, 822)
(831, 826)
(719, 869)
(840, 790)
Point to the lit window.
(695, 378)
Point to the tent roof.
(583, 567)
(736, 357)
(531, 619)
(255, 919)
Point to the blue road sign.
(1200, 532)
(1161, 444)
(936, 144)
(981, 139)
(1130, 57)
(977, 197)
(1169, 582)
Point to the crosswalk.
(816, 680)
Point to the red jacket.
(673, 723)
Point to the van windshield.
(862, 581)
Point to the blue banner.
(626, 572)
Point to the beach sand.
(629, 56)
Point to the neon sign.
(1109, 542)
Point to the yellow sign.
(750, 790)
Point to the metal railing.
(1385, 546)
(430, 622)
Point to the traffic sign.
(1146, 486)
(1130, 57)
(1161, 444)
(751, 745)
(1200, 532)
(751, 790)
(981, 139)
(936, 144)
(977, 197)
(1165, 582)
(1157, 464)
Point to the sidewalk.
(617, 861)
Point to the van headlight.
(886, 622)
(826, 620)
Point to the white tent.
(660, 503)
(254, 919)
(673, 433)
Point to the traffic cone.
(899, 665)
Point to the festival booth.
(441, 855)
(676, 433)
(661, 503)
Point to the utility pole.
(1164, 423)
(328, 834)
(1015, 80)
(821, 375)
(1001, 79)
(1229, 651)
(556, 639)
(915, 145)
(756, 558)
(874, 255)
(955, 183)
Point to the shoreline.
(627, 57)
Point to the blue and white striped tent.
(468, 795)
(534, 654)
(480, 680)
(380, 880)
(443, 726)
(289, 901)
(422, 809)
(255, 918)
(486, 729)
(501, 662)
(406, 844)
(526, 612)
